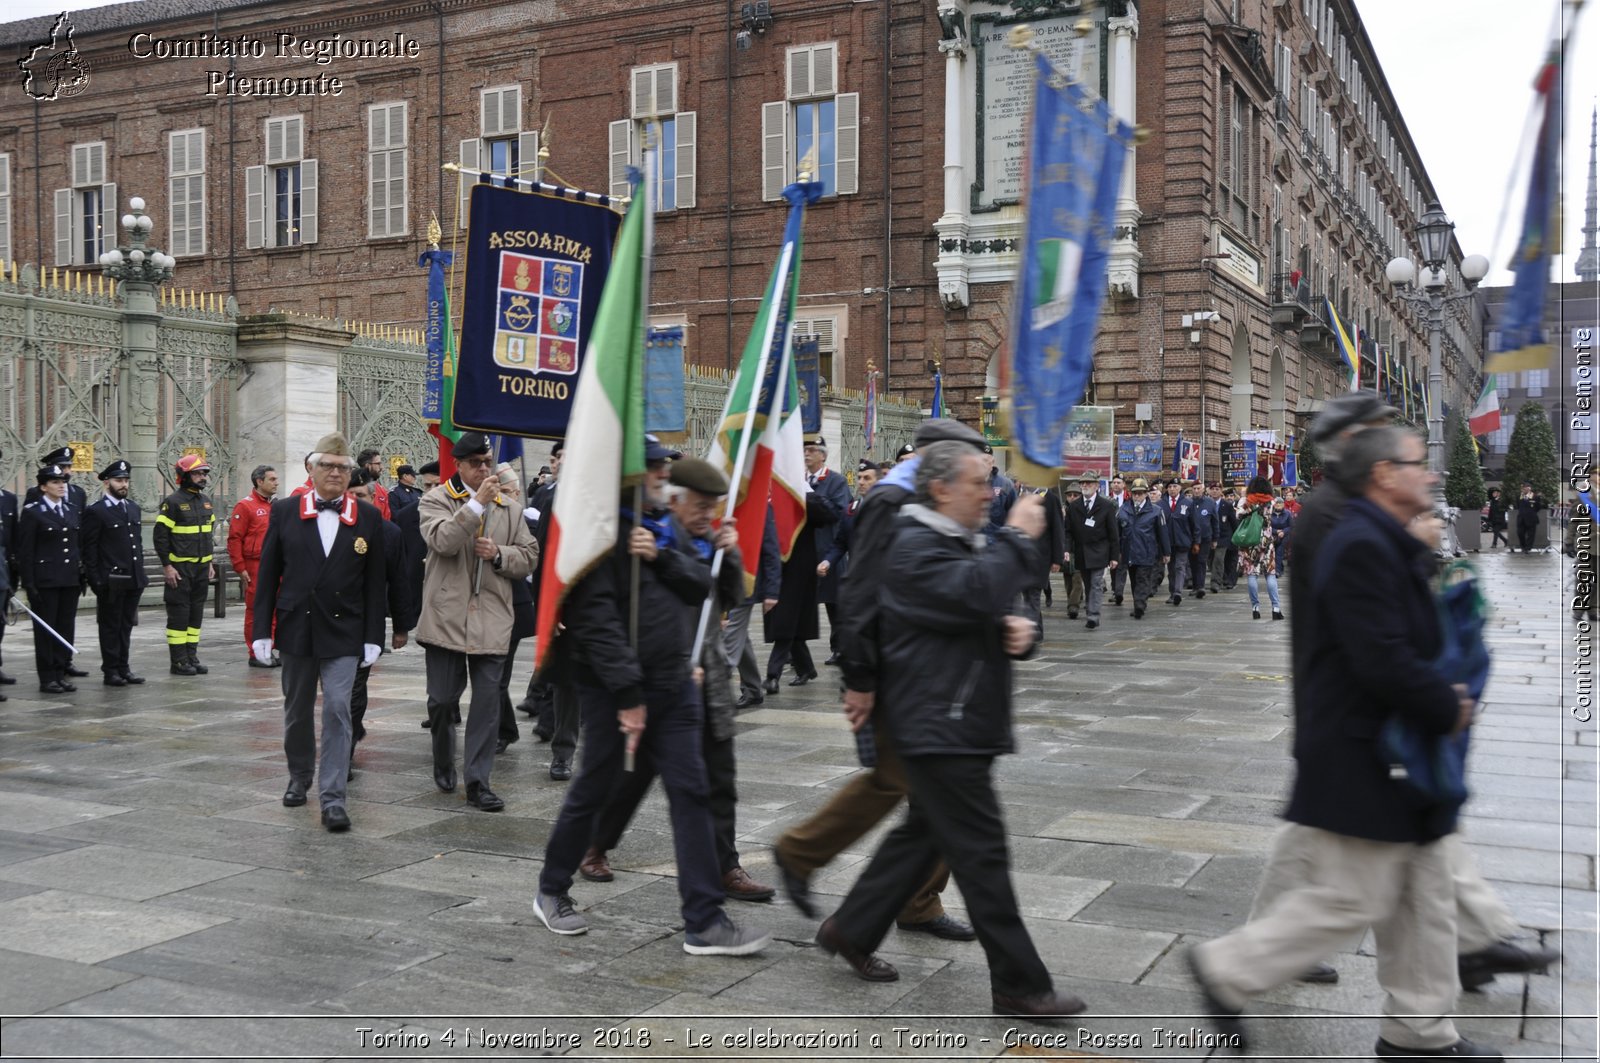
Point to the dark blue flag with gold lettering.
(536, 264)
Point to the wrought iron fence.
(380, 398)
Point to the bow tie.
(334, 504)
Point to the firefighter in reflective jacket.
(183, 543)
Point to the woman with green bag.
(1258, 548)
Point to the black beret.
(699, 475)
(430, 469)
(470, 445)
(405, 470)
(817, 441)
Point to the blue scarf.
(660, 525)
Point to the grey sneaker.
(556, 912)
(723, 938)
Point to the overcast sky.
(1462, 72)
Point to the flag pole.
(638, 488)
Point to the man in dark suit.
(113, 557)
(793, 621)
(50, 569)
(322, 576)
(1095, 543)
(8, 545)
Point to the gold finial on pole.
(434, 232)
(808, 166)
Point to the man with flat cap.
(113, 557)
(77, 497)
(50, 570)
(322, 579)
(478, 545)
(868, 797)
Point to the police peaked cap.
(59, 456)
(817, 441)
(906, 451)
(53, 472)
(866, 466)
(117, 470)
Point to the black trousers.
(186, 604)
(1199, 567)
(1144, 583)
(1526, 533)
(58, 607)
(786, 650)
(508, 712)
(116, 613)
(358, 706)
(833, 626)
(631, 790)
(954, 814)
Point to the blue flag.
(433, 385)
(1076, 151)
(663, 380)
(938, 393)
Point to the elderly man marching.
(478, 543)
(322, 579)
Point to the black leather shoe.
(295, 795)
(561, 770)
(1321, 974)
(131, 679)
(445, 779)
(257, 662)
(199, 669)
(335, 819)
(501, 744)
(1199, 594)
(771, 685)
(542, 736)
(1462, 1049)
(1041, 1007)
(75, 672)
(7, 680)
(1116, 600)
(797, 886)
(943, 927)
(56, 686)
(1091, 624)
(748, 700)
(1072, 614)
(833, 658)
(802, 680)
(531, 710)
(1503, 957)
(868, 967)
(483, 798)
(115, 680)
(1138, 614)
(66, 687)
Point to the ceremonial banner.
(536, 265)
(1188, 460)
(1088, 447)
(663, 381)
(1344, 344)
(438, 321)
(869, 416)
(808, 373)
(1238, 461)
(1139, 454)
(1291, 466)
(1076, 150)
(938, 394)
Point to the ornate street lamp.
(137, 261)
(1433, 236)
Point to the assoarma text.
(534, 240)
(533, 388)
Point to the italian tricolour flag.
(606, 425)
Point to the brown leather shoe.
(867, 966)
(741, 887)
(1040, 1006)
(594, 867)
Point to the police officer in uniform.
(49, 566)
(8, 547)
(184, 544)
(113, 557)
(77, 497)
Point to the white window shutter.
(824, 69)
(5, 208)
(400, 197)
(308, 201)
(377, 128)
(274, 141)
(489, 112)
(255, 206)
(527, 155)
(64, 239)
(847, 143)
(643, 92)
(621, 151)
(666, 89)
(471, 151)
(686, 127)
(799, 73)
(377, 194)
(774, 149)
(109, 219)
(511, 109)
(177, 154)
(178, 215)
(294, 144)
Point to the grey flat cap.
(940, 429)
(1357, 407)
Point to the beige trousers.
(1333, 886)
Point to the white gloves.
(370, 651)
(261, 649)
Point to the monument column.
(952, 225)
(290, 398)
(1123, 274)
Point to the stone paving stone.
(87, 929)
(30, 813)
(1541, 868)
(116, 871)
(30, 983)
(263, 894)
(190, 797)
(1549, 907)
(15, 846)
(1187, 834)
(273, 962)
(1169, 909)
(369, 819)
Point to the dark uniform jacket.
(405, 600)
(1372, 632)
(832, 488)
(1144, 533)
(327, 605)
(945, 677)
(1227, 521)
(1095, 532)
(872, 534)
(1180, 523)
(795, 615)
(76, 496)
(1203, 511)
(48, 548)
(8, 540)
(183, 528)
(112, 546)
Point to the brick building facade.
(1274, 146)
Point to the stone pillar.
(952, 225)
(290, 397)
(141, 430)
(1123, 274)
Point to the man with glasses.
(478, 545)
(322, 579)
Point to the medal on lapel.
(361, 545)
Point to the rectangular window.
(656, 120)
(1536, 380)
(281, 196)
(1582, 436)
(387, 170)
(186, 191)
(86, 212)
(5, 208)
(827, 325)
(814, 124)
(501, 147)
